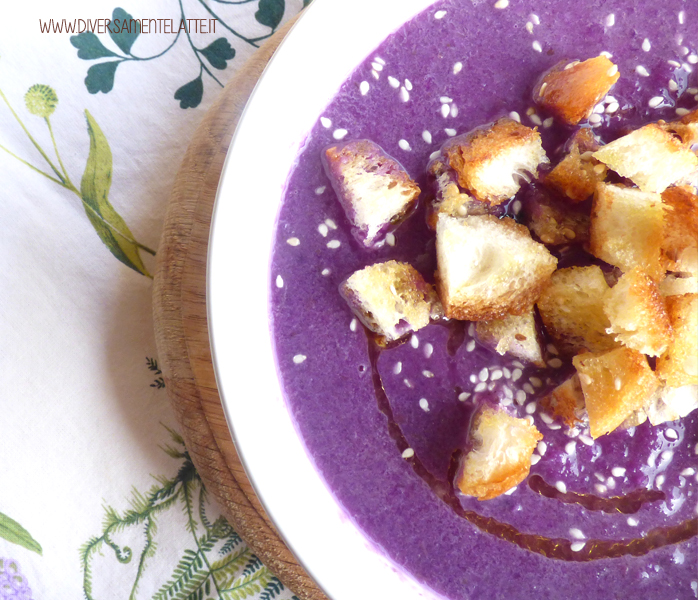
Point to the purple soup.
(610, 518)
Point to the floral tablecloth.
(98, 101)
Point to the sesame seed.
(535, 459)
(445, 100)
(585, 439)
(390, 238)
(546, 418)
(484, 374)
(517, 364)
(427, 374)
(577, 546)
(611, 483)
(554, 426)
(404, 145)
(364, 87)
(682, 17)
(655, 101)
(294, 241)
(353, 325)
(606, 53)
(681, 112)
(501, 4)
(408, 383)
(651, 460)
(667, 455)
(633, 522)
(397, 369)
(404, 94)
(473, 378)
(326, 123)
(687, 68)
(555, 363)
(514, 116)
(325, 272)
(600, 488)
(683, 50)
(673, 63)
(379, 60)
(617, 383)
(542, 448)
(612, 71)
(323, 229)
(529, 27)
(450, 132)
(507, 372)
(612, 107)
(299, 358)
(646, 46)
(445, 110)
(408, 453)
(599, 108)
(393, 82)
(279, 281)
(659, 482)
(516, 375)
(507, 392)
(535, 19)
(536, 46)
(424, 404)
(618, 471)
(439, 14)
(435, 154)
(535, 119)
(338, 134)
(457, 68)
(520, 397)
(509, 492)
(529, 419)
(570, 448)
(375, 74)
(470, 346)
(600, 477)
(377, 66)
(548, 122)
(408, 85)
(426, 136)
(595, 119)
(610, 20)
(428, 350)
(561, 487)
(528, 388)
(491, 386)
(414, 341)
(331, 224)
(552, 349)
(454, 110)
(642, 71)
(688, 472)
(496, 374)
(535, 381)
(463, 396)
(671, 434)
(577, 534)
(585, 379)
(692, 90)
(481, 387)
(334, 244)
(531, 408)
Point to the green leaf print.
(15, 533)
(190, 94)
(124, 30)
(100, 77)
(218, 52)
(94, 189)
(89, 47)
(270, 12)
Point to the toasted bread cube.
(686, 128)
(514, 334)
(577, 174)
(556, 222)
(391, 299)
(616, 384)
(680, 244)
(627, 229)
(678, 366)
(651, 157)
(501, 454)
(571, 307)
(671, 404)
(566, 402)
(571, 89)
(676, 285)
(637, 314)
(373, 188)
(488, 267)
(490, 162)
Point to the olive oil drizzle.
(555, 548)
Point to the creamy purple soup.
(611, 518)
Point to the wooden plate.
(181, 328)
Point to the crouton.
(373, 188)
(570, 90)
(637, 314)
(514, 334)
(676, 285)
(616, 384)
(678, 366)
(488, 267)
(391, 299)
(501, 454)
(571, 307)
(490, 162)
(555, 222)
(680, 243)
(566, 402)
(650, 157)
(686, 128)
(627, 229)
(577, 174)
(670, 404)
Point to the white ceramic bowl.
(327, 43)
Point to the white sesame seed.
(617, 383)
(683, 50)
(535, 119)
(611, 483)
(501, 4)
(334, 244)
(671, 434)
(379, 60)
(426, 136)
(517, 364)
(682, 17)
(445, 110)
(435, 154)
(408, 383)
(633, 522)
(507, 392)
(548, 122)
(646, 46)
(595, 119)
(618, 471)
(681, 112)
(536, 382)
(600, 477)
(514, 116)
(535, 459)
(606, 53)
(408, 85)
(424, 404)
(529, 27)
(577, 546)
(294, 241)
(673, 63)
(473, 378)
(555, 363)
(612, 107)
(546, 418)
(520, 397)
(393, 82)
(279, 281)
(299, 358)
(530, 420)
(531, 408)
(667, 455)
(552, 349)
(481, 387)
(427, 374)
(655, 101)
(542, 448)
(610, 20)
(390, 238)
(471, 329)
(330, 223)
(585, 439)
(470, 346)
(450, 132)
(659, 482)
(439, 14)
(570, 448)
(377, 66)
(323, 229)
(496, 374)
(325, 272)
(404, 94)
(612, 71)
(507, 372)
(463, 396)
(408, 453)
(536, 46)
(599, 108)
(326, 123)
(535, 19)
(375, 74)
(339, 134)
(600, 488)
(364, 87)
(484, 374)
(642, 71)
(688, 472)
(577, 534)
(692, 90)
(414, 341)
(528, 388)
(457, 68)
(561, 487)
(509, 492)
(445, 100)
(651, 460)
(353, 325)
(687, 68)
(554, 426)
(516, 375)
(404, 145)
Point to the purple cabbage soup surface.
(454, 67)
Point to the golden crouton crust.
(571, 92)
(483, 145)
(678, 366)
(571, 307)
(506, 474)
(577, 174)
(686, 128)
(680, 225)
(616, 384)
(566, 402)
(514, 334)
(555, 222)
